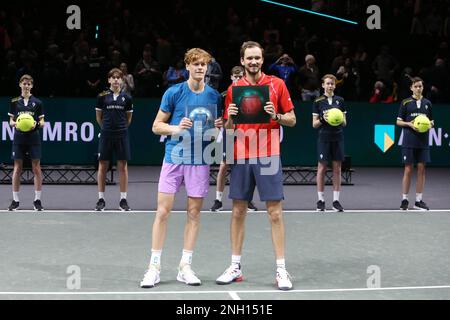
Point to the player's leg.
(122, 149)
(122, 168)
(104, 155)
(275, 211)
(337, 156)
(221, 178)
(103, 166)
(17, 172)
(242, 186)
(196, 179)
(37, 172)
(320, 182)
(270, 188)
(159, 231)
(408, 160)
(185, 272)
(420, 185)
(337, 165)
(322, 160)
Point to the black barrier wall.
(371, 137)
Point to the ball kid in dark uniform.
(330, 143)
(26, 143)
(415, 147)
(114, 111)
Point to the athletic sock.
(418, 197)
(37, 195)
(186, 257)
(219, 195)
(101, 195)
(155, 259)
(321, 196)
(236, 261)
(336, 195)
(404, 197)
(16, 196)
(281, 263)
(123, 195)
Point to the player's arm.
(316, 123)
(406, 124)
(41, 116)
(12, 123)
(232, 111)
(129, 117)
(317, 120)
(12, 111)
(163, 128)
(286, 119)
(344, 123)
(129, 110)
(99, 117)
(41, 122)
(344, 111)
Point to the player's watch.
(277, 117)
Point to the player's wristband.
(322, 120)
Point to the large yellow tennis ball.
(335, 116)
(422, 123)
(25, 122)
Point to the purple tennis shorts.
(195, 178)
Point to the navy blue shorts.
(20, 151)
(330, 150)
(110, 145)
(266, 174)
(415, 155)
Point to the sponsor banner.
(71, 133)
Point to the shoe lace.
(188, 272)
(231, 269)
(283, 274)
(151, 272)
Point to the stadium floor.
(329, 256)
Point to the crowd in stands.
(148, 43)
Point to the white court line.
(226, 292)
(234, 295)
(229, 211)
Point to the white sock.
(281, 263)
(16, 196)
(321, 196)
(336, 195)
(101, 195)
(404, 197)
(418, 197)
(186, 257)
(37, 195)
(236, 260)
(219, 195)
(155, 259)
(123, 195)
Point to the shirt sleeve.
(167, 104)
(315, 109)
(12, 109)
(402, 112)
(342, 105)
(129, 107)
(40, 110)
(285, 104)
(430, 111)
(99, 106)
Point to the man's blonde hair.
(26, 77)
(329, 76)
(197, 54)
